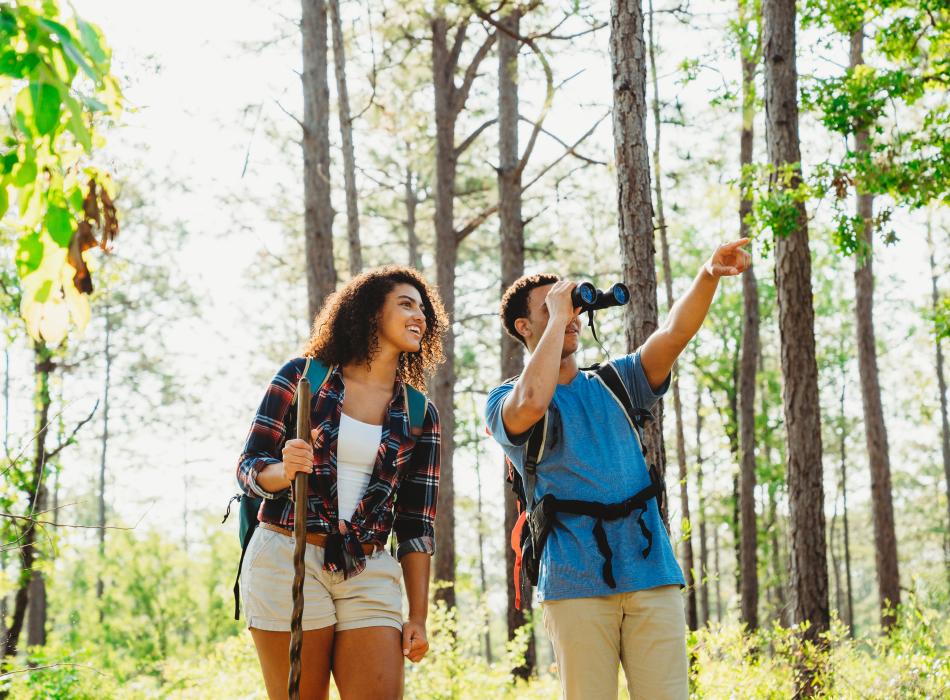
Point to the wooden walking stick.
(300, 543)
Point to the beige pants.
(644, 631)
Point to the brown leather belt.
(316, 538)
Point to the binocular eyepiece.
(589, 298)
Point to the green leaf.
(7, 162)
(59, 224)
(23, 109)
(91, 39)
(93, 104)
(77, 124)
(25, 174)
(42, 294)
(46, 107)
(76, 198)
(29, 254)
(4, 200)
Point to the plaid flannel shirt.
(402, 490)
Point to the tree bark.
(6, 401)
(346, 139)
(480, 520)
(718, 578)
(449, 102)
(748, 530)
(318, 211)
(844, 494)
(687, 539)
(100, 586)
(634, 205)
(882, 507)
(35, 497)
(809, 567)
(411, 203)
(511, 225)
(446, 258)
(701, 496)
(941, 385)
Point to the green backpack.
(249, 506)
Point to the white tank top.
(356, 448)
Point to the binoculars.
(589, 298)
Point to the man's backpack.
(536, 519)
(249, 507)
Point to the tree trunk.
(715, 539)
(36, 497)
(748, 530)
(844, 494)
(100, 586)
(809, 567)
(701, 496)
(36, 619)
(446, 258)
(941, 385)
(6, 401)
(634, 206)
(687, 540)
(346, 139)
(511, 227)
(482, 579)
(318, 211)
(882, 507)
(412, 202)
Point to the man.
(609, 588)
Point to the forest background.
(127, 395)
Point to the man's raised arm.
(529, 399)
(661, 349)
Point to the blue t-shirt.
(592, 454)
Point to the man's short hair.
(514, 302)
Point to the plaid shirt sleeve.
(414, 522)
(268, 432)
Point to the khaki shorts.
(643, 631)
(370, 599)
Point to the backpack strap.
(417, 404)
(534, 451)
(608, 376)
(316, 373)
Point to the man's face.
(532, 328)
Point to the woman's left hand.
(414, 642)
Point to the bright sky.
(189, 79)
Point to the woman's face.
(402, 322)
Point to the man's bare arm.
(686, 317)
(532, 393)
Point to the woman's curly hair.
(346, 329)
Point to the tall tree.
(703, 577)
(941, 382)
(687, 536)
(843, 460)
(511, 226)
(318, 210)
(634, 205)
(882, 506)
(346, 138)
(107, 357)
(796, 315)
(450, 99)
(36, 495)
(749, 33)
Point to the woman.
(368, 475)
